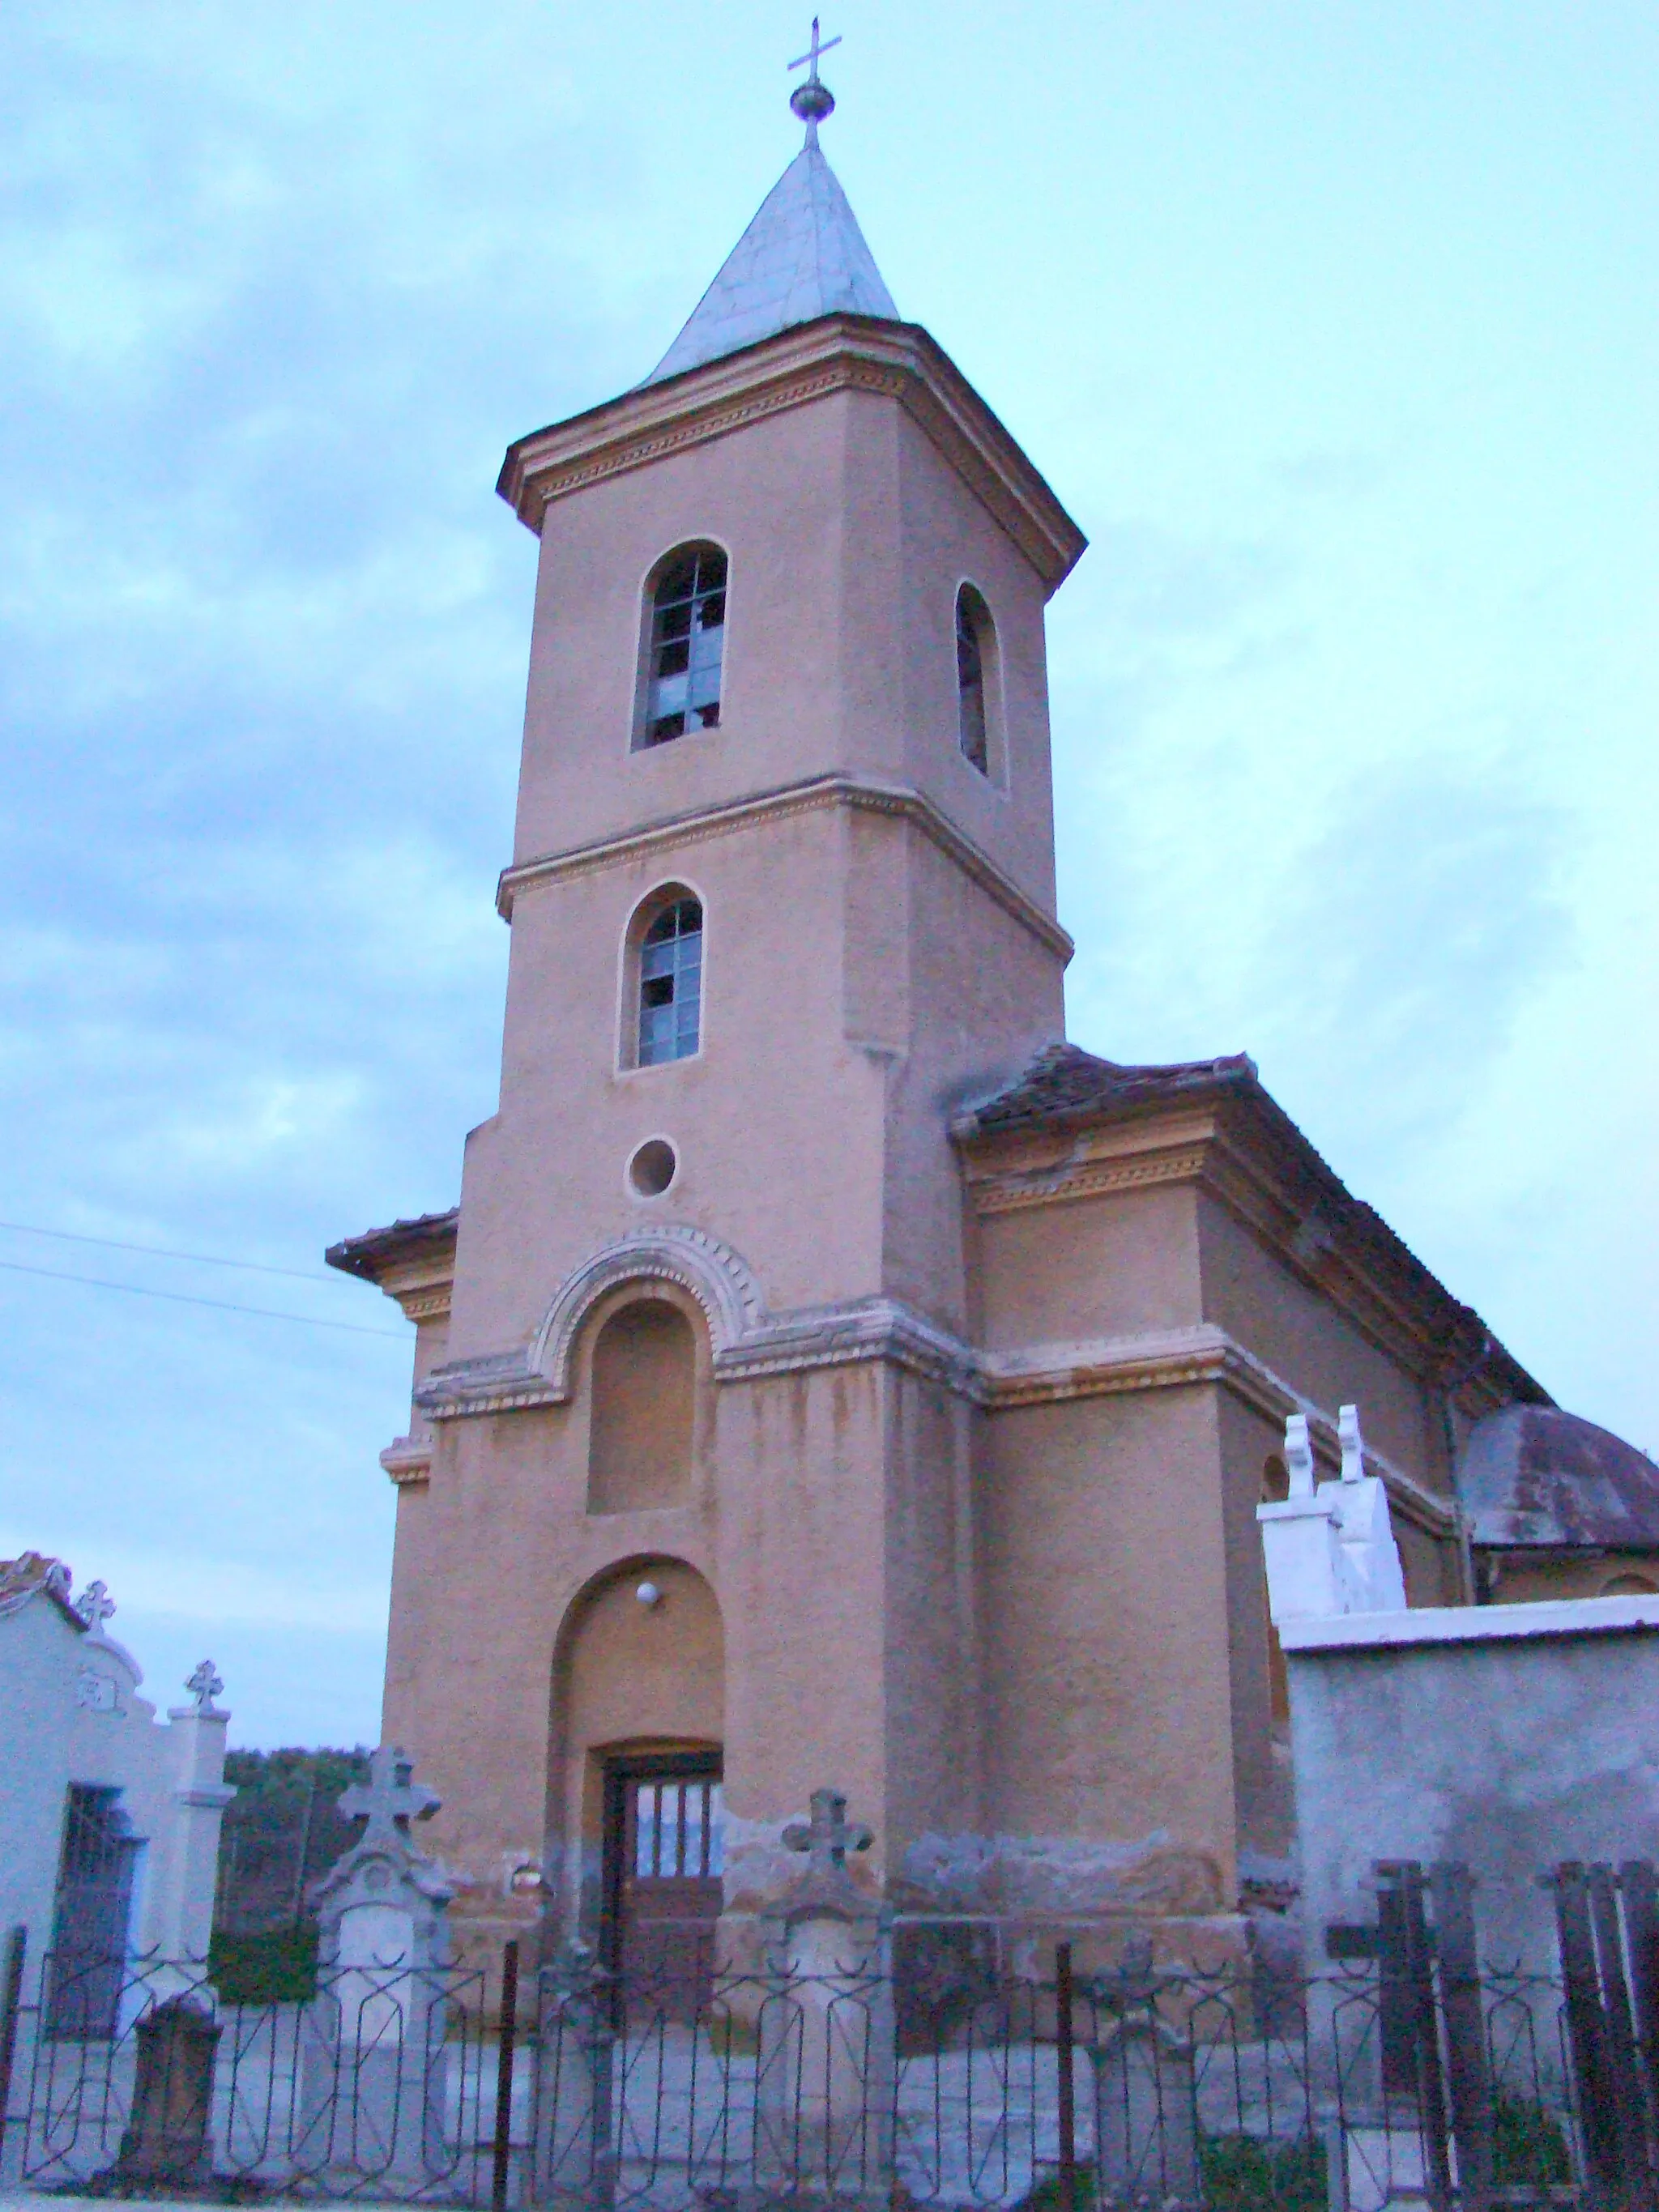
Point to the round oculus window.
(652, 1168)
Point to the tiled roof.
(369, 1254)
(1535, 1475)
(802, 257)
(32, 1574)
(1064, 1080)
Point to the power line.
(162, 1252)
(183, 1299)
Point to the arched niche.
(642, 1404)
(632, 1677)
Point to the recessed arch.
(642, 1406)
(720, 1282)
(632, 1680)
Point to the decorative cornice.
(1085, 1178)
(496, 1383)
(897, 361)
(430, 1303)
(808, 796)
(1211, 1146)
(409, 1459)
(748, 1344)
(845, 1335)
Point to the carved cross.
(1298, 1455)
(205, 1685)
(829, 1836)
(95, 1606)
(1352, 1444)
(811, 57)
(391, 1798)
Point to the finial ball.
(813, 100)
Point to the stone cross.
(205, 1685)
(390, 1799)
(829, 1836)
(95, 1606)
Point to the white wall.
(70, 1712)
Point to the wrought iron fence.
(847, 2087)
(1141, 2088)
(378, 2086)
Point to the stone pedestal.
(168, 2144)
(1146, 2110)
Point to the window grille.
(688, 630)
(677, 1830)
(671, 984)
(93, 1907)
(973, 635)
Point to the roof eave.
(376, 1253)
(795, 368)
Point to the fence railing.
(1407, 2075)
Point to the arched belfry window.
(975, 671)
(668, 970)
(685, 648)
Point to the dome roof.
(1534, 1475)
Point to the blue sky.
(1337, 327)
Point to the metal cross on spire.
(813, 100)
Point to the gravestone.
(1145, 2112)
(574, 2142)
(167, 2145)
(828, 2033)
(375, 2086)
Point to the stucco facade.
(991, 1343)
(71, 1717)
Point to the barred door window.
(688, 634)
(677, 1830)
(671, 984)
(93, 1907)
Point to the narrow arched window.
(644, 1398)
(686, 645)
(975, 654)
(671, 984)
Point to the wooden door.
(664, 1849)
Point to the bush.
(1244, 2174)
(1529, 2150)
(277, 1966)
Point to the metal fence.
(1406, 2076)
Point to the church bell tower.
(688, 1502)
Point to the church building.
(829, 1375)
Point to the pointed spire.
(802, 257)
